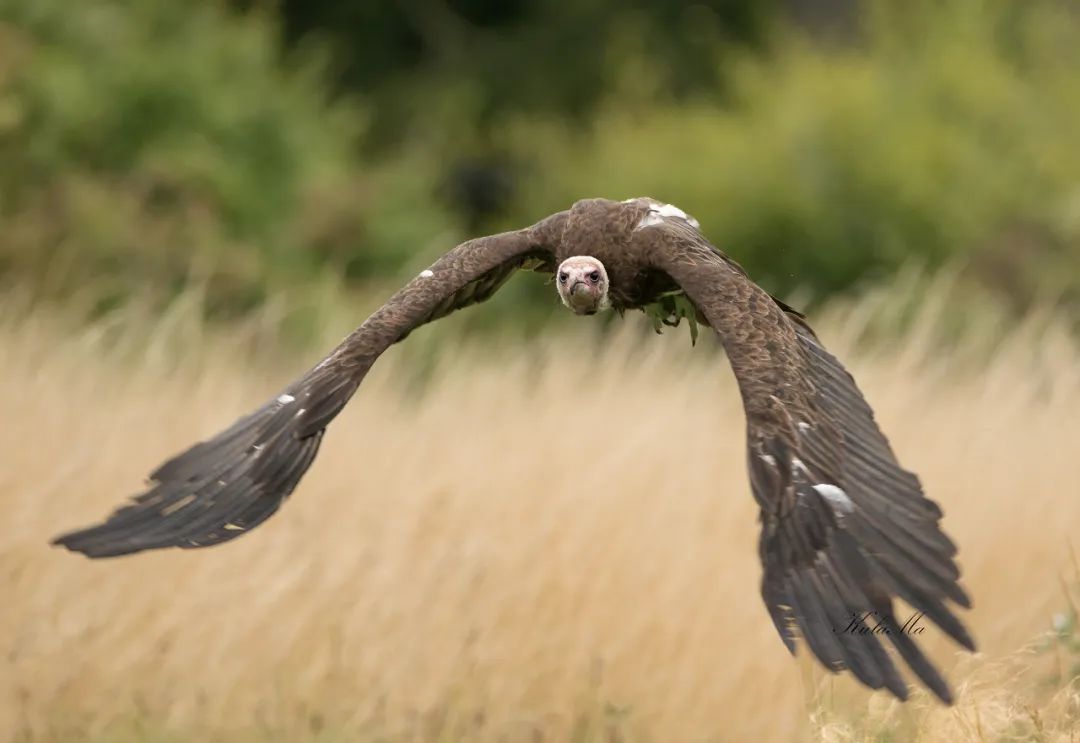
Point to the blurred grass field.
(465, 562)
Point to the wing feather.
(221, 488)
(845, 529)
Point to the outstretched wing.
(221, 488)
(845, 529)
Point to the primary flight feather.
(845, 530)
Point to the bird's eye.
(594, 276)
(563, 277)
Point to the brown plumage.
(845, 529)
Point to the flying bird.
(845, 530)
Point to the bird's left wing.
(845, 529)
(220, 488)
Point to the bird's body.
(608, 232)
(844, 528)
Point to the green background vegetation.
(259, 150)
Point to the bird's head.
(583, 284)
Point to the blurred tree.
(944, 133)
(511, 56)
(146, 144)
(455, 71)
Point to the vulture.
(845, 530)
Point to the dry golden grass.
(470, 563)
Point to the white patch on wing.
(427, 273)
(285, 399)
(769, 459)
(651, 217)
(797, 464)
(659, 212)
(670, 210)
(836, 497)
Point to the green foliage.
(949, 132)
(476, 61)
(146, 144)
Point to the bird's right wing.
(221, 488)
(845, 529)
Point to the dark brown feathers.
(845, 530)
(221, 488)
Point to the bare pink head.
(583, 284)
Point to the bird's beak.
(581, 298)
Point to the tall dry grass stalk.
(545, 543)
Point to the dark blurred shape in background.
(824, 17)
(539, 56)
(480, 189)
(254, 148)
